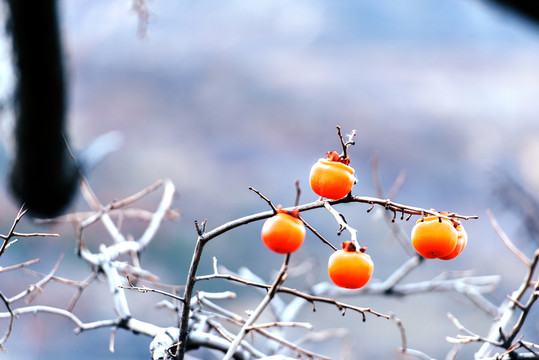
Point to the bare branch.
(310, 298)
(37, 286)
(317, 234)
(280, 278)
(10, 324)
(281, 324)
(19, 266)
(347, 143)
(145, 289)
(343, 225)
(6, 243)
(263, 197)
(396, 230)
(399, 324)
(159, 215)
(506, 240)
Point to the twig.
(6, 238)
(45, 280)
(298, 193)
(401, 272)
(141, 9)
(6, 243)
(10, 324)
(386, 203)
(527, 307)
(76, 296)
(61, 280)
(310, 298)
(416, 354)
(496, 334)
(397, 230)
(400, 326)
(280, 278)
(132, 324)
(506, 240)
(19, 266)
(317, 234)
(343, 225)
(183, 320)
(346, 144)
(112, 338)
(37, 286)
(280, 324)
(469, 334)
(263, 197)
(160, 213)
(292, 346)
(126, 213)
(145, 289)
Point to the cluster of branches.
(201, 322)
(505, 332)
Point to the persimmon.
(332, 177)
(284, 232)
(349, 268)
(434, 237)
(462, 240)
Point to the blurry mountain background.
(220, 96)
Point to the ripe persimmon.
(284, 232)
(350, 268)
(434, 237)
(332, 177)
(462, 240)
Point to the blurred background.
(220, 96)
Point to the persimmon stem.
(264, 198)
(298, 193)
(346, 144)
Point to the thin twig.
(293, 346)
(183, 320)
(298, 193)
(19, 266)
(317, 234)
(310, 298)
(6, 243)
(343, 225)
(345, 144)
(11, 317)
(395, 228)
(263, 197)
(39, 285)
(280, 324)
(527, 307)
(279, 279)
(144, 289)
(399, 324)
(506, 240)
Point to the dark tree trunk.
(43, 176)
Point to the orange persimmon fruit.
(462, 240)
(284, 232)
(434, 237)
(349, 268)
(332, 177)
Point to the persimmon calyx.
(349, 246)
(334, 156)
(455, 221)
(294, 212)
